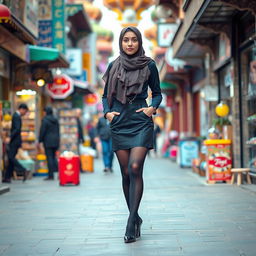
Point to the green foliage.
(220, 121)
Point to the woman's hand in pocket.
(147, 111)
(110, 115)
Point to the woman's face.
(130, 43)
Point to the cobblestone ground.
(182, 216)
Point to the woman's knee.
(135, 168)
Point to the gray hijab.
(128, 73)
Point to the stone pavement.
(182, 216)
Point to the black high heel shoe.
(138, 227)
(129, 236)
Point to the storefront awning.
(78, 18)
(202, 22)
(47, 56)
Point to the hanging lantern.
(222, 109)
(5, 14)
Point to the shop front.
(247, 71)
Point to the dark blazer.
(16, 130)
(49, 132)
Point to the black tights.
(131, 163)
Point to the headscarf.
(128, 72)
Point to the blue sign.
(188, 150)
(45, 33)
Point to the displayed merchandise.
(41, 165)
(188, 150)
(249, 109)
(69, 169)
(87, 164)
(28, 129)
(68, 130)
(251, 124)
(218, 159)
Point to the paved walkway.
(182, 216)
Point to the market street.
(182, 215)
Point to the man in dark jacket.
(50, 137)
(15, 142)
(103, 131)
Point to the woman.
(126, 84)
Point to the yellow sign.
(87, 65)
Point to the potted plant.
(224, 126)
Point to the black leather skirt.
(131, 129)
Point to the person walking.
(80, 132)
(79, 126)
(104, 133)
(50, 137)
(124, 105)
(15, 143)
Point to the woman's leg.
(136, 162)
(123, 159)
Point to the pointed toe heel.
(129, 239)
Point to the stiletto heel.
(130, 236)
(138, 227)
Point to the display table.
(219, 160)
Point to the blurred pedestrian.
(92, 133)
(79, 129)
(124, 101)
(50, 137)
(156, 133)
(104, 133)
(15, 144)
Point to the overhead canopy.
(202, 22)
(47, 56)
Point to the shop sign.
(45, 10)
(61, 87)
(165, 33)
(72, 9)
(30, 18)
(17, 8)
(74, 57)
(88, 46)
(58, 24)
(45, 32)
(219, 161)
(26, 12)
(189, 150)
